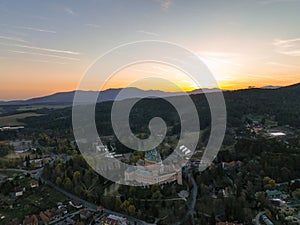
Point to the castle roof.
(144, 172)
(153, 156)
(140, 162)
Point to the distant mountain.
(271, 87)
(106, 95)
(111, 94)
(204, 90)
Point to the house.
(37, 163)
(114, 220)
(85, 214)
(19, 191)
(52, 214)
(44, 218)
(275, 194)
(231, 165)
(277, 202)
(100, 208)
(21, 146)
(31, 220)
(75, 204)
(34, 184)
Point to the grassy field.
(12, 120)
(36, 107)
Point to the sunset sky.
(46, 46)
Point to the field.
(12, 120)
(36, 107)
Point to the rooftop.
(153, 155)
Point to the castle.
(157, 172)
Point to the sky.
(47, 46)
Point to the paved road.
(37, 175)
(192, 202)
(93, 206)
(258, 217)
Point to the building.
(85, 214)
(275, 194)
(34, 184)
(75, 204)
(18, 191)
(44, 218)
(114, 220)
(100, 209)
(31, 220)
(52, 214)
(231, 165)
(37, 163)
(157, 173)
(11, 128)
(21, 146)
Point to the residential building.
(31, 220)
(114, 220)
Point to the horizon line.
(112, 88)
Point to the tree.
(118, 203)
(269, 183)
(296, 193)
(58, 181)
(131, 209)
(125, 205)
(68, 184)
(76, 176)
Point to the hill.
(106, 95)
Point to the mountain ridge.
(131, 92)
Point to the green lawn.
(12, 120)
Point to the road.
(37, 175)
(192, 202)
(93, 206)
(258, 217)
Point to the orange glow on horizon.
(40, 79)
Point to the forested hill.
(283, 104)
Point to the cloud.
(69, 11)
(31, 28)
(46, 55)
(45, 61)
(283, 65)
(148, 33)
(267, 2)
(221, 58)
(165, 4)
(290, 47)
(13, 39)
(286, 42)
(92, 25)
(43, 49)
